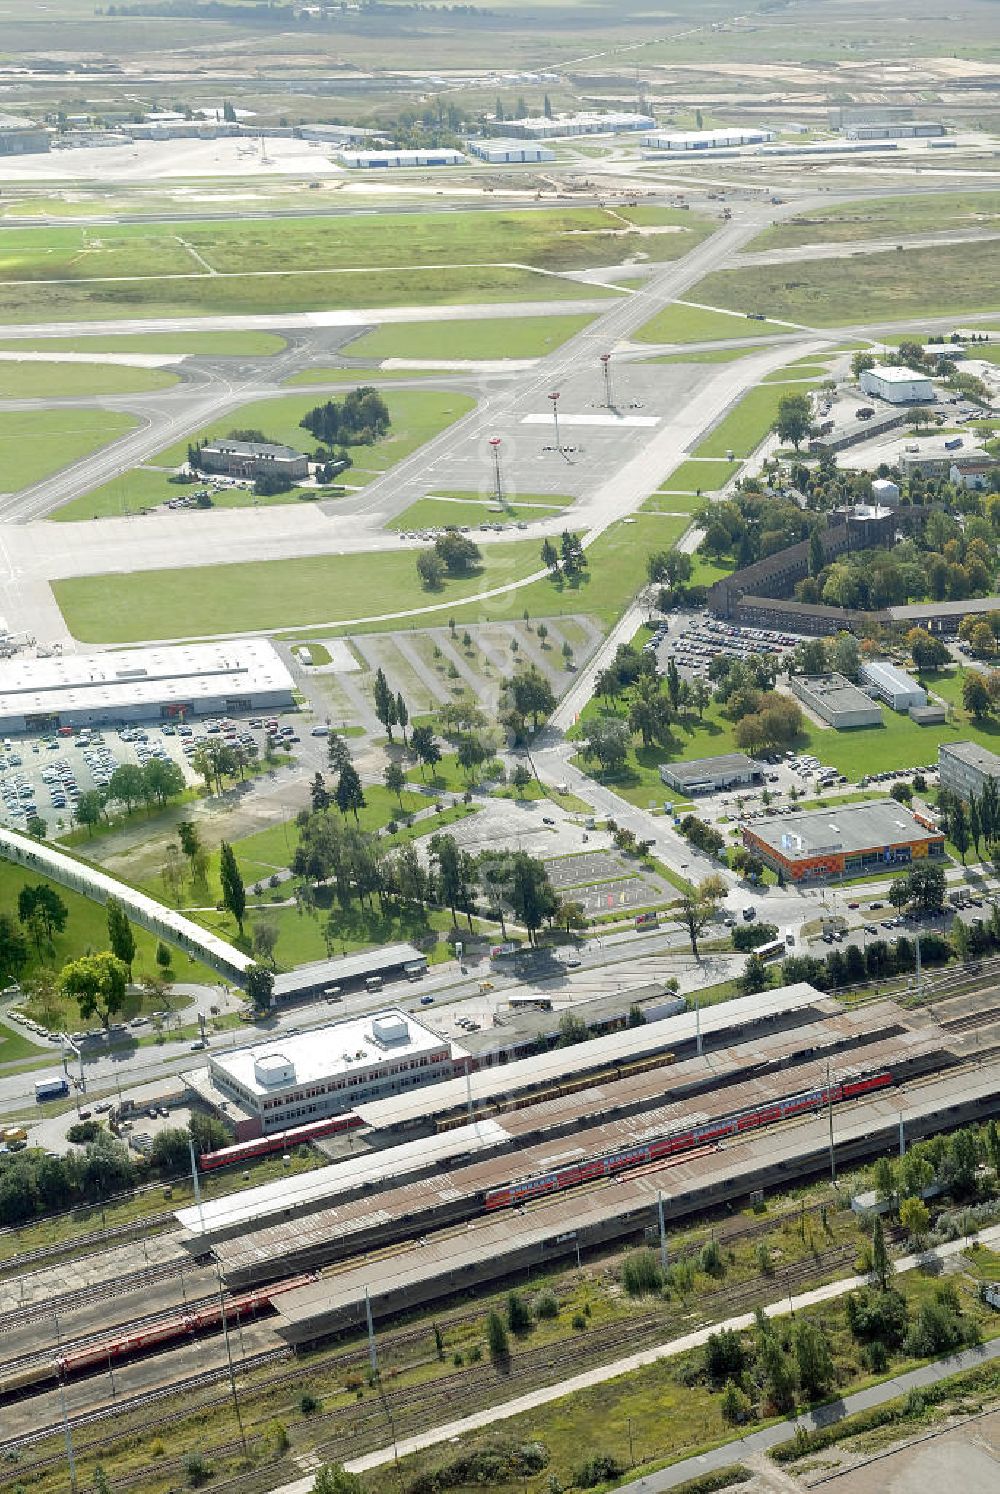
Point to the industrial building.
(898, 386)
(576, 124)
(510, 152)
(198, 679)
(964, 767)
(300, 1077)
(835, 700)
(685, 140)
(704, 775)
(22, 137)
(906, 129)
(849, 840)
(893, 685)
(381, 160)
(253, 459)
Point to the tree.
(496, 1338)
(697, 907)
(97, 984)
(794, 418)
(332, 1478)
(975, 695)
(881, 1263)
(521, 776)
(259, 987)
(319, 794)
(530, 694)
(447, 861)
(338, 754)
(845, 655)
(959, 826)
(164, 955)
(265, 939)
(402, 715)
(120, 935)
(926, 651)
(779, 1381)
(861, 363)
(756, 976)
(430, 569)
(189, 840)
(458, 554)
(607, 741)
(423, 744)
(531, 894)
(817, 555)
(813, 1359)
(395, 781)
(919, 415)
(349, 794)
(127, 785)
(161, 780)
(234, 893)
(926, 889)
(385, 702)
(573, 915)
(899, 894)
(89, 809)
(13, 948)
(915, 1218)
(550, 558)
(41, 905)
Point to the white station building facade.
(303, 1077)
(143, 684)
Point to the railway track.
(121, 1286)
(969, 1020)
(95, 1239)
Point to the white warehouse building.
(510, 152)
(682, 140)
(898, 386)
(390, 159)
(198, 679)
(297, 1078)
(893, 685)
(565, 125)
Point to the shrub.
(496, 1337)
(641, 1273)
(711, 1260)
(83, 1131)
(547, 1306)
(599, 1468)
(309, 1404)
(518, 1314)
(579, 1323)
(197, 1469)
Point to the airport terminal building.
(143, 684)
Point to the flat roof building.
(196, 679)
(849, 840)
(704, 775)
(253, 459)
(22, 137)
(964, 767)
(390, 159)
(836, 701)
(296, 1078)
(509, 152)
(893, 685)
(610, 123)
(898, 386)
(686, 140)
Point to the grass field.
(66, 380)
(36, 443)
(953, 279)
(744, 427)
(666, 502)
(416, 415)
(217, 344)
(143, 487)
(683, 323)
(473, 509)
(492, 337)
(709, 355)
(708, 476)
(850, 222)
(268, 594)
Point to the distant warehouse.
(21, 137)
(684, 140)
(903, 129)
(836, 701)
(141, 684)
(893, 685)
(510, 152)
(704, 775)
(382, 160)
(577, 124)
(849, 840)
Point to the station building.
(964, 767)
(850, 840)
(300, 1077)
(198, 679)
(705, 775)
(898, 386)
(835, 700)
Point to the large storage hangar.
(302, 1077)
(850, 840)
(704, 775)
(893, 685)
(897, 386)
(906, 129)
(510, 152)
(198, 679)
(21, 137)
(577, 124)
(374, 160)
(684, 140)
(835, 700)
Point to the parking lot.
(45, 776)
(701, 638)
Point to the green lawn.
(143, 487)
(14, 1046)
(853, 221)
(270, 594)
(64, 380)
(491, 337)
(680, 322)
(416, 416)
(322, 375)
(219, 344)
(36, 443)
(690, 476)
(471, 509)
(743, 429)
(709, 355)
(956, 279)
(668, 502)
(797, 374)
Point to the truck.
(52, 1088)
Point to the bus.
(773, 950)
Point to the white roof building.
(389, 159)
(683, 140)
(302, 1077)
(565, 125)
(898, 386)
(893, 685)
(136, 684)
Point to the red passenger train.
(683, 1141)
(280, 1141)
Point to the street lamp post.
(555, 417)
(606, 365)
(497, 484)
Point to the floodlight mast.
(497, 483)
(555, 417)
(606, 365)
